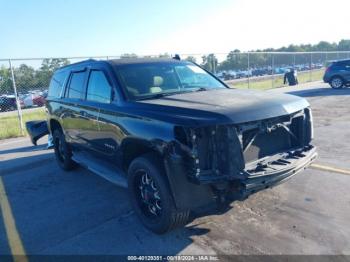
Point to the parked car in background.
(26, 100)
(229, 75)
(39, 100)
(337, 74)
(33, 98)
(45, 93)
(8, 103)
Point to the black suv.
(8, 103)
(176, 136)
(338, 74)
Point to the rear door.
(76, 121)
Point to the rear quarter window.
(56, 84)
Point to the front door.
(99, 96)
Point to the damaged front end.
(245, 158)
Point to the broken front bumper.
(276, 169)
(266, 172)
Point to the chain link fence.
(24, 82)
(265, 70)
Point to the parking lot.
(47, 211)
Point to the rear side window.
(98, 89)
(56, 84)
(76, 85)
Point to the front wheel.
(337, 82)
(150, 196)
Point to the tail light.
(328, 69)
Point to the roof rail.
(78, 63)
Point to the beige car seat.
(157, 83)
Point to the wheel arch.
(186, 195)
(53, 125)
(132, 148)
(337, 76)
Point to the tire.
(159, 213)
(337, 82)
(63, 151)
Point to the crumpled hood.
(226, 105)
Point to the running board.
(100, 167)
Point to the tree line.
(28, 78)
(236, 60)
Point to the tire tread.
(175, 218)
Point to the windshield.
(142, 81)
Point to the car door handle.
(83, 114)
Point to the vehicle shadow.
(79, 213)
(23, 149)
(321, 92)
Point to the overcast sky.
(42, 28)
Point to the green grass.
(263, 84)
(9, 124)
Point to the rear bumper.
(277, 170)
(36, 130)
(326, 78)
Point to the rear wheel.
(63, 151)
(151, 197)
(337, 82)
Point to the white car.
(27, 100)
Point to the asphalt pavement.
(48, 211)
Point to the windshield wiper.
(159, 95)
